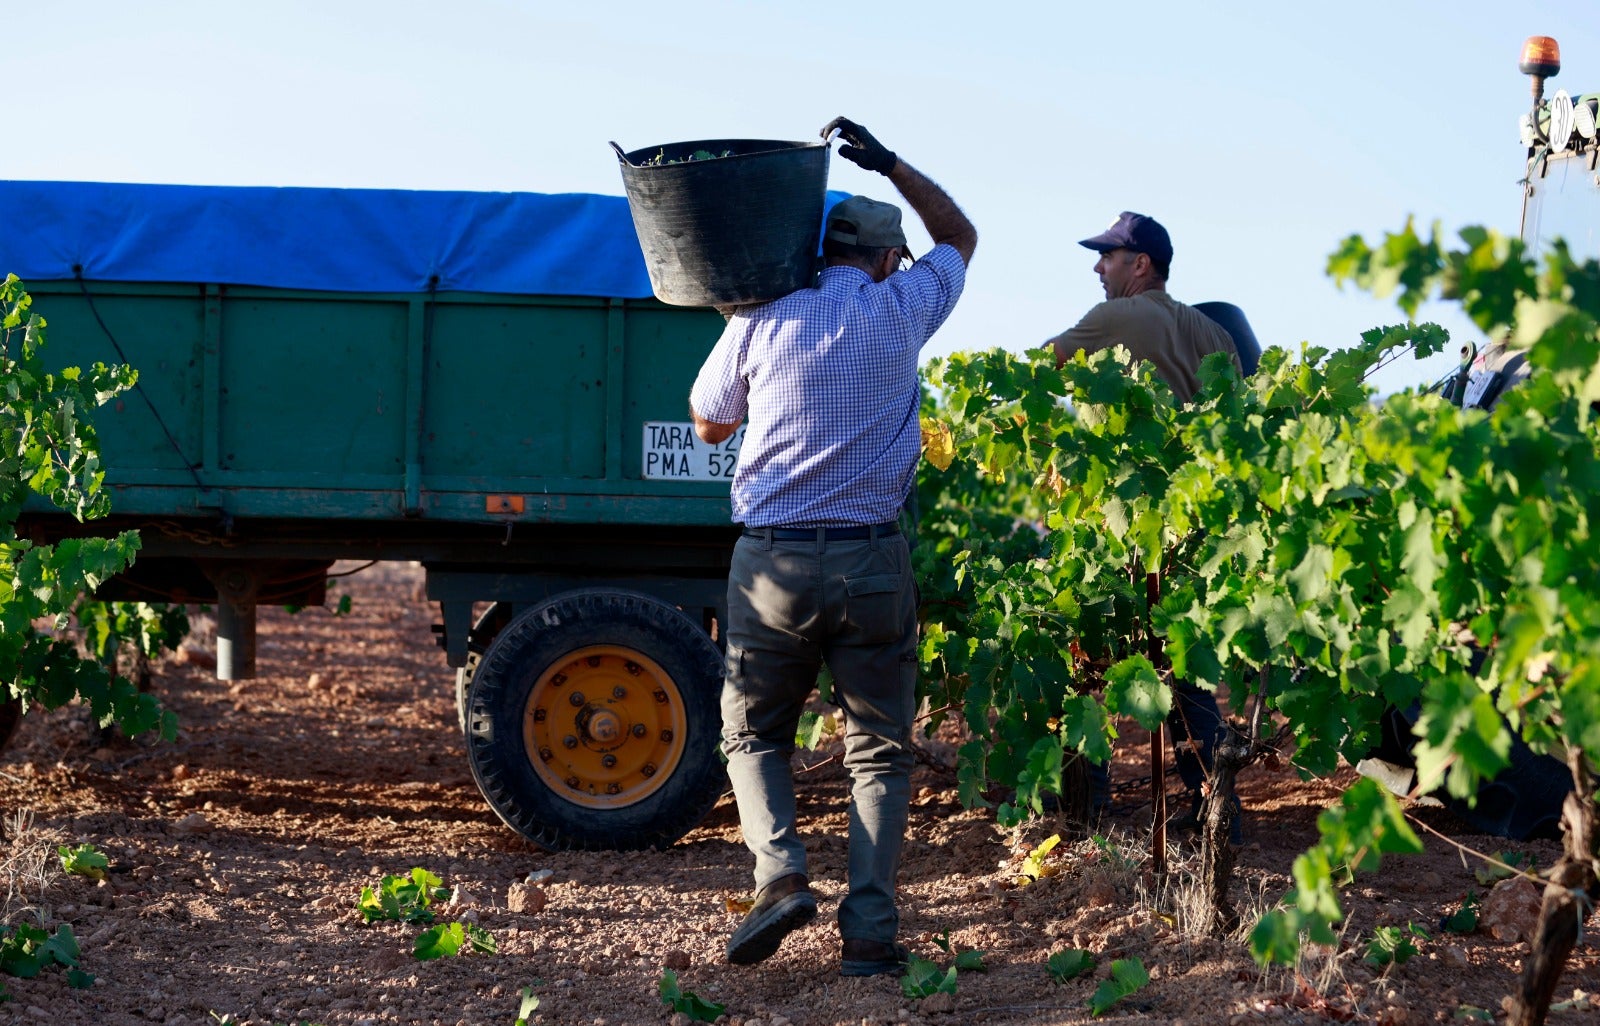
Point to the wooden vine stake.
(1158, 743)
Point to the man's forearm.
(940, 215)
(710, 431)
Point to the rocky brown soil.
(238, 854)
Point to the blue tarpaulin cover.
(341, 240)
(338, 240)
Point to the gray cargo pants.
(791, 606)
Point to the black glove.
(862, 148)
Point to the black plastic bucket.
(1232, 320)
(739, 227)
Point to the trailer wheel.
(10, 717)
(483, 633)
(1523, 802)
(592, 722)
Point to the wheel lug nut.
(539, 715)
(546, 754)
(619, 692)
(666, 736)
(558, 680)
(639, 730)
(634, 669)
(648, 769)
(570, 741)
(593, 660)
(572, 782)
(577, 698)
(608, 761)
(660, 696)
(613, 789)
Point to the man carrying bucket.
(827, 377)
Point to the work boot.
(783, 906)
(872, 958)
(1187, 822)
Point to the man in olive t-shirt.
(1138, 314)
(1135, 254)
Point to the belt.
(857, 532)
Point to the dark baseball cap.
(860, 221)
(1134, 232)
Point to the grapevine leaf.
(1134, 689)
(439, 941)
(1506, 864)
(938, 445)
(1275, 939)
(1086, 727)
(971, 781)
(686, 1001)
(1311, 579)
(1041, 774)
(1116, 514)
(813, 728)
(924, 978)
(1065, 965)
(84, 860)
(1463, 919)
(61, 948)
(481, 940)
(1128, 976)
(1193, 653)
(1462, 735)
(1033, 867)
(529, 1005)
(970, 961)
(1391, 945)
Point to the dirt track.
(239, 852)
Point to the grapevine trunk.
(1216, 852)
(1569, 897)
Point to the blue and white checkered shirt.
(828, 379)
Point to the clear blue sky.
(1260, 133)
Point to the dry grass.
(1320, 975)
(1118, 857)
(29, 867)
(1180, 898)
(1323, 966)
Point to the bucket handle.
(621, 154)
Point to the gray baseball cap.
(859, 221)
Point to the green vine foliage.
(1285, 533)
(144, 629)
(47, 450)
(967, 514)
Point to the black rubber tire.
(502, 688)
(482, 635)
(1522, 803)
(10, 717)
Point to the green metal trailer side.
(532, 451)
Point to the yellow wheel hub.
(604, 726)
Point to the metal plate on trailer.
(673, 452)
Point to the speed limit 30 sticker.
(673, 452)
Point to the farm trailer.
(478, 382)
(1560, 199)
